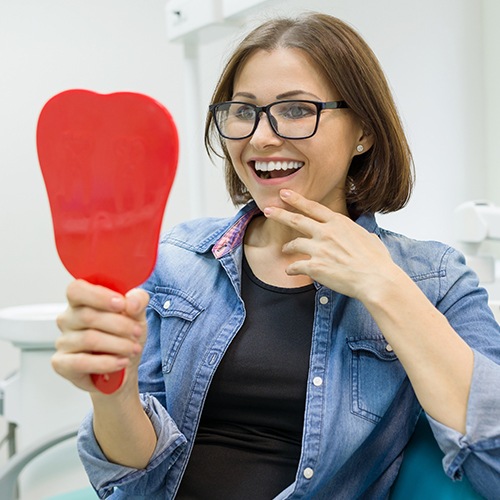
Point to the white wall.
(436, 54)
(491, 33)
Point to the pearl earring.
(359, 148)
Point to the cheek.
(241, 169)
(235, 162)
(234, 149)
(345, 145)
(332, 155)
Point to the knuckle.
(295, 219)
(315, 266)
(325, 233)
(73, 290)
(61, 320)
(59, 343)
(91, 340)
(70, 290)
(81, 363)
(55, 362)
(87, 316)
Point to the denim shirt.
(360, 407)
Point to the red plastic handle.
(108, 383)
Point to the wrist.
(387, 285)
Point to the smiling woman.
(321, 134)
(288, 352)
(380, 180)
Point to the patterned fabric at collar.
(233, 237)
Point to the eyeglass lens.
(291, 119)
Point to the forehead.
(266, 74)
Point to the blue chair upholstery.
(84, 494)
(422, 476)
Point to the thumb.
(136, 302)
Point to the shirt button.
(166, 305)
(317, 381)
(323, 300)
(308, 473)
(213, 359)
(389, 348)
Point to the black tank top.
(249, 439)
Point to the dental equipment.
(475, 222)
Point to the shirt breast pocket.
(376, 375)
(177, 312)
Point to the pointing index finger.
(311, 209)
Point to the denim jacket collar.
(226, 238)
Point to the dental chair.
(421, 475)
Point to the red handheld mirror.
(108, 162)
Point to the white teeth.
(268, 166)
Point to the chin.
(270, 201)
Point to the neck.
(264, 240)
(263, 232)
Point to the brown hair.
(381, 179)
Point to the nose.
(264, 134)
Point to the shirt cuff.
(104, 475)
(482, 430)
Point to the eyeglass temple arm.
(335, 105)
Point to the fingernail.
(285, 193)
(267, 211)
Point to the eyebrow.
(295, 93)
(286, 95)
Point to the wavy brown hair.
(381, 179)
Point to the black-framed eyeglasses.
(289, 119)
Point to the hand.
(102, 332)
(342, 255)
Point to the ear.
(364, 143)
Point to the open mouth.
(276, 169)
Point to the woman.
(288, 352)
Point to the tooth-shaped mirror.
(108, 162)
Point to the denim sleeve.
(477, 453)
(105, 476)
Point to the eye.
(297, 110)
(243, 112)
